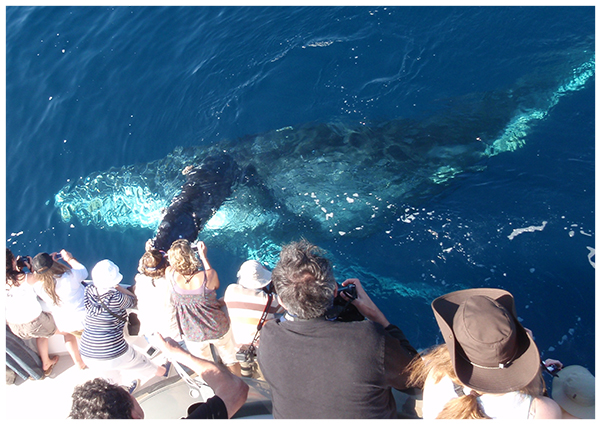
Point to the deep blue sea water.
(93, 90)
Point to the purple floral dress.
(199, 313)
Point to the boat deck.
(50, 398)
(160, 398)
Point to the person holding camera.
(103, 344)
(24, 314)
(573, 389)
(250, 302)
(153, 291)
(59, 286)
(321, 367)
(201, 319)
(488, 367)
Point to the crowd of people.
(279, 326)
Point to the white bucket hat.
(253, 275)
(573, 388)
(106, 275)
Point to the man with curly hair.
(323, 368)
(99, 399)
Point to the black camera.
(22, 262)
(269, 288)
(342, 309)
(247, 353)
(551, 369)
(246, 356)
(350, 290)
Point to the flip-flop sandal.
(167, 366)
(49, 370)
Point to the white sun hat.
(253, 275)
(106, 275)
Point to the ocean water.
(427, 149)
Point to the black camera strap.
(107, 309)
(262, 320)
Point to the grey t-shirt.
(331, 369)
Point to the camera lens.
(246, 369)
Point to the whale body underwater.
(321, 180)
(204, 191)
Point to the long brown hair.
(49, 277)
(153, 264)
(13, 276)
(437, 364)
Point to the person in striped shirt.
(103, 345)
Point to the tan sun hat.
(253, 275)
(491, 351)
(574, 389)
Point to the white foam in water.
(565, 337)
(592, 254)
(529, 229)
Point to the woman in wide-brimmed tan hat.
(489, 366)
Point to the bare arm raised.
(213, 282)
(230, 388)
(67, 257)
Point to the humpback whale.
(205, 189)
(331, 179)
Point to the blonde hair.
(48, 279)
(437, 364)
(182, 257)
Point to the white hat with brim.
(106, 275)
(253, 275)
(574, 389)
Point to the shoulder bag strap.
(106, 307)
